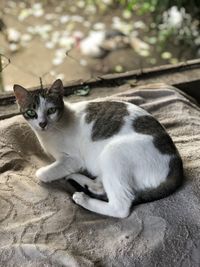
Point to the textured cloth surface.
(41, 226)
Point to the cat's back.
(105, 122)
(107, 118)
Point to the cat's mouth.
(43, 129)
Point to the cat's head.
(41, 108)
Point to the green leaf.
(84, 91)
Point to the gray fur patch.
(163, 142)
(33, 101)
(108, 118)
(173, 181)
(150, 126)
(175, 174)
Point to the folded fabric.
(41, 226)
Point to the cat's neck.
(67, 118)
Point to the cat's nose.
(43, 124)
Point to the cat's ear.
(57, 88)
(21, 94)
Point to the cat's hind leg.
(117, 181)
(93, 185)
(119, 201)
(105, 208)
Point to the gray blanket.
(41, 226)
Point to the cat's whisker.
(57, 128)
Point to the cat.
(122, 145)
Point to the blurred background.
(80, 39)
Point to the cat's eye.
(51, 110)
(31, 113)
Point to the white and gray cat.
(119, 143)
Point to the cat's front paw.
(80, 198)
(42, 175)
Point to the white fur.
(124, 163)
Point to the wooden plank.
(110, 80)
(184, 76)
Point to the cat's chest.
(58, 145)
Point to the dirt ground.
(33, 59)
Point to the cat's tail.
(173, 181)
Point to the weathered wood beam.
(184, 75)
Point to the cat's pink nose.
(43, 124)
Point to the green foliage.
(148, 6)
(157, 6)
